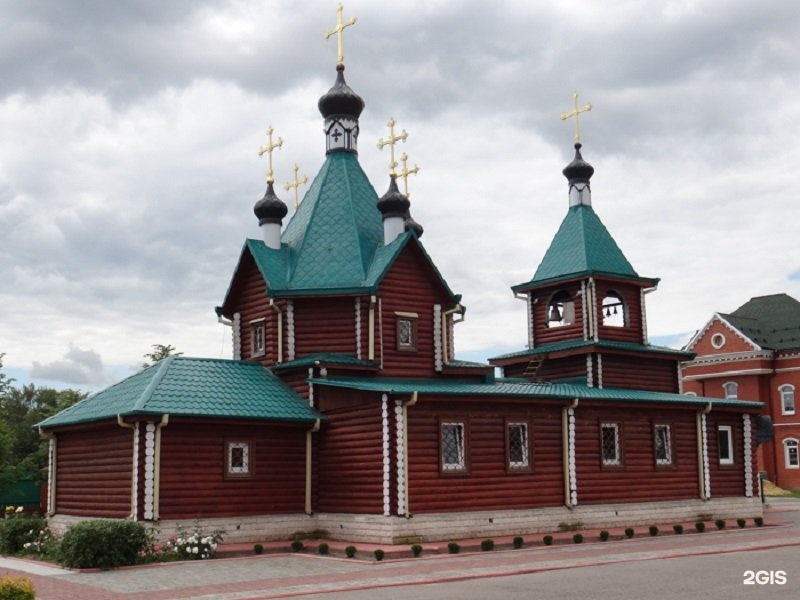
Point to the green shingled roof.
(770, 321)
(196, 387)
(519, 388)
(582, 246)
(599, 345)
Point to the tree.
(159, 352)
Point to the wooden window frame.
(464, 467)
(729, 460)
(669, 462)
(256, 325)
(411, 319)
(527, 466)
(619, 463)
(249, 455)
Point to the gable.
(719, 336)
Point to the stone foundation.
(450, 526)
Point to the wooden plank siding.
(410, 286)
(325, 324)
(252, 303)
(93, 471)
(638, 478)
(193, 483)
(631, 298)
(639, 373)
(487, 485)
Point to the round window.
(718, 340)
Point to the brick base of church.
(452, 526)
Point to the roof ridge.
(353, 225)
(163, 367)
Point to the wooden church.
(344, 408)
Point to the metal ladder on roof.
(532, 370)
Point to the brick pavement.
(287, 575)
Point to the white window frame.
(727, 387)
(786, 392)
(727, 431)
(525, 463)
(258, 343)
(617, 460)
(459, 465)
(666, 460)
(243, 470)
(787, 458)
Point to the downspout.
(445, 347)
(645, 291)
(51, 469)
(371, 328)
(565, 452)
(223, 321)
(701, 452)
(134, 467)
(314, 429)
(411, 402)
(277, 309)
(157, 465)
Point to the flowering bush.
(193, 546)
(43, 544)
(18, 529)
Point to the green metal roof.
(770, 321)
(520, 388)
(197, 387)
(327, 358)
(600, 345)
(582, 246)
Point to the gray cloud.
(79, 367)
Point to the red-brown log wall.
(488, 486)
(631, 297)
(638, 479)
(252, 303)
(93, 471)
(726, 480)
(631, 372)
(325, 324)
(542, 334)
(193, 463)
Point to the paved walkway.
(293, 575)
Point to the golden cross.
(406, 172)
(268, 150)
(393, 139)
(575, 112)
(296, 185)
(338, 30)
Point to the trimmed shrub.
(379, 554)
(759, 521)
(350, 551)
(323, 548)
(629, 532)
(297, 545)
(193, 546)
(17, 531)
(547, 540)
(720, 523)
(487, 545)
(741, 523)
(677, 528)
(104, 544)
(699, 526)
(604, 536)
(518, 542)
(577, 538)
(16, 588)
(653, 530)
(453, 548)
(416, 550)
(258, 548)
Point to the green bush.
(258, 548)
(653, 530)
(741, 523)
(518, 542)
(323, 548)
(15, 532)
(487, 545)
(104, 544)
(416, 550)
(350, 551)
(453, 548)
(297, 545)
(379, 554)
(577, 538)
(629, 532)
(547, 540)
(759, 521)
(677, 528)
(720, 523)
(699, 526)
(16, 588)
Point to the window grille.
(518, 445)
(609, 434)
(453, 447)
(790, 449)
(238, 463)
(663, 444)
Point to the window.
(717, 341)
(560, 310)
(238, 459)
(517, 447)
(258, 337)
(406, 331)
(725, 444)
(453, 447)
(662, 440)
(790, 454)
(731, 390)
(609, 444)
(787, 399)
(613, 311)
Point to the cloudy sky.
(129, 168)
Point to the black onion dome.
(412, 225)
(270, 209)
(578, 170)
(340, 99)
(393, 203)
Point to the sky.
(129, 134)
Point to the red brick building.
(754, 353)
